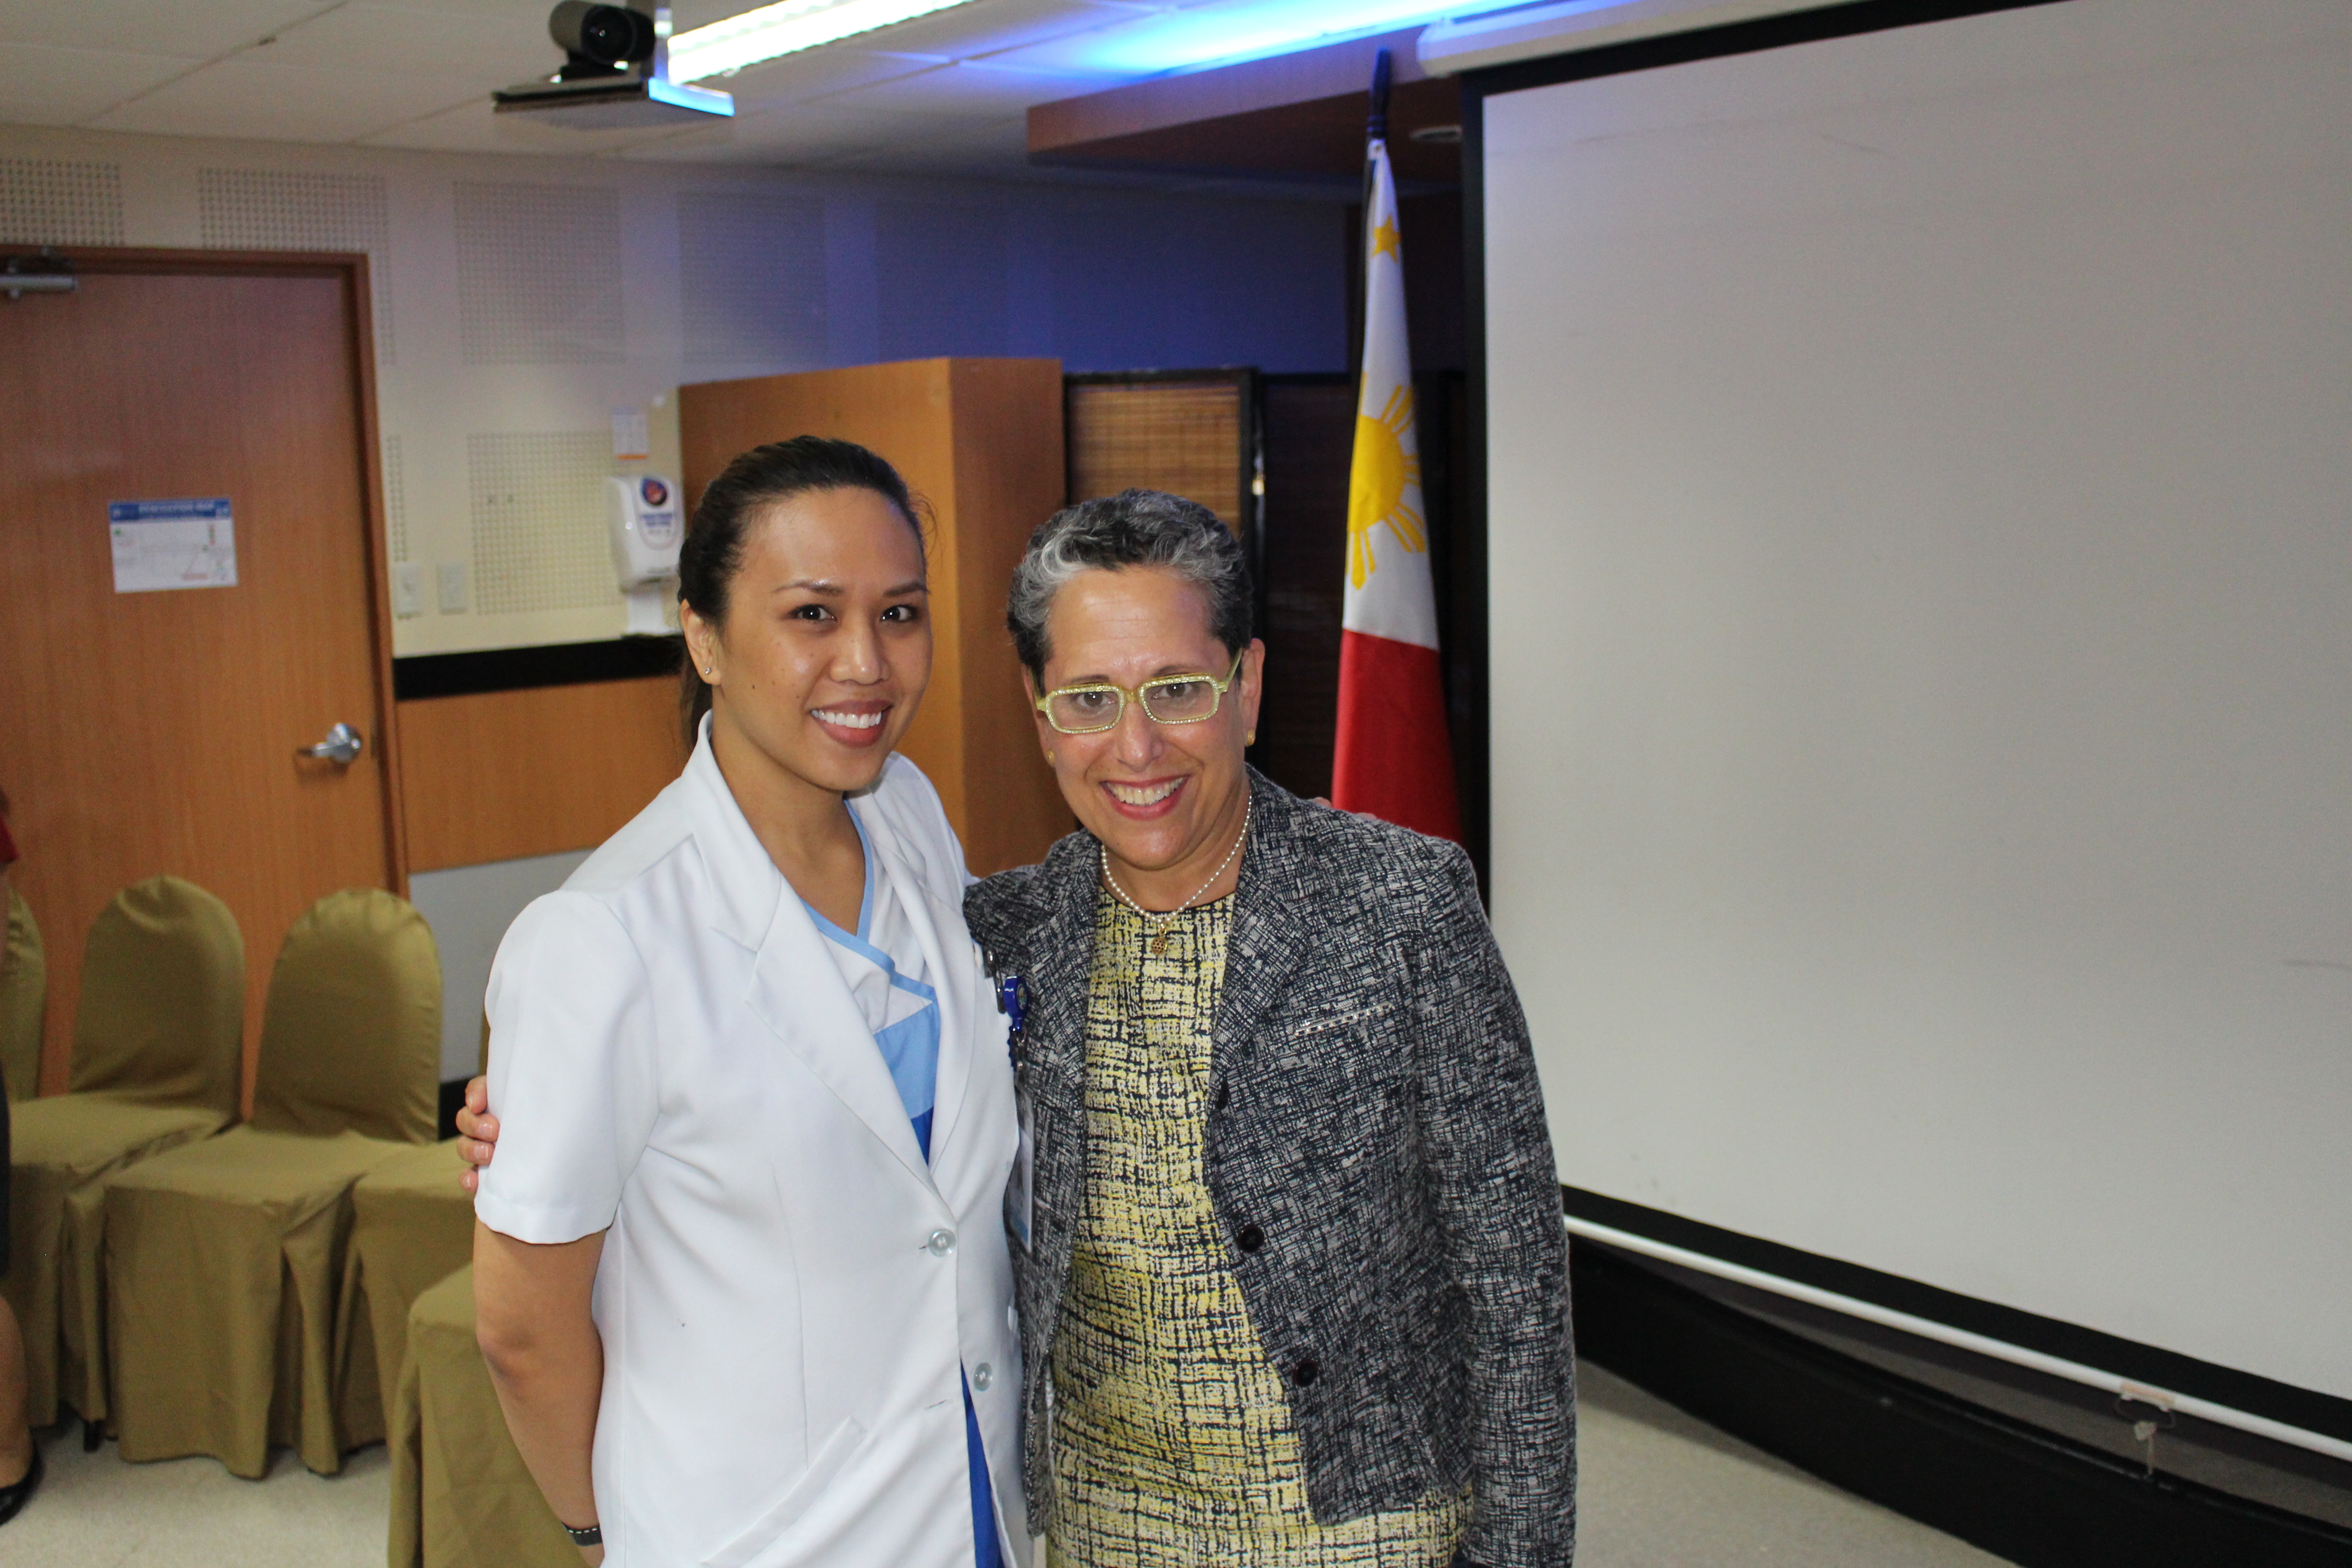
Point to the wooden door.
(157, 731)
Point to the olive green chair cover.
(460, 1495)
(23, 994)
(155, 1022)
(412, 1227)
(224, 1259)
(157, 1041)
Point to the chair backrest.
(23, 994)
(351, 1039)
(162, 999)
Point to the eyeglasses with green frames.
(1167, 700)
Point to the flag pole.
(1376, 128)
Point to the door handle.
(341, 746)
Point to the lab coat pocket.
(832, 1456)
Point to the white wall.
(521, 301)
(469, 909)
(1921, 558)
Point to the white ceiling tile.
(532, 11)
(795, 78)
(988, 26)
(475, 127)
(966, 91)
(202, 29)
(1084, 51)
(242, 97)
(41, 86)
(389, 40)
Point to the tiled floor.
(1659, 1490)
(95, 1511)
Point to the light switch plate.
(453, 587)
(408, 590)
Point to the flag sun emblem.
(1385, 468)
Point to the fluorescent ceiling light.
(785, 28)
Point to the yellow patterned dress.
(1172, 1445)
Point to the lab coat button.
(940, 1244)
(982, 1375)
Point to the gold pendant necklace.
(1159, 925)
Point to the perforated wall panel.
(47, 201)
(396, 500)
(538, 506)
(286, 209)
(752, 278)
(538, 274)
(942, 280)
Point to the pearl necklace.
(1159, 924)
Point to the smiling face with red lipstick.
(1166, 799)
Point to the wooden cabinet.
(980, 441)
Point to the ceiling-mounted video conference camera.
(600, 40)
(616, 73)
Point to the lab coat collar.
(796, 989)
(745, 882)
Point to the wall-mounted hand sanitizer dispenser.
(646, 525)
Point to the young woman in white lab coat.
(741, 1272)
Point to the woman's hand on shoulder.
(478, 1133)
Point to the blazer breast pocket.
(832, 1456)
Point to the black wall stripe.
(2017, 1491)
(521, 669)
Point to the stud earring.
(1049, 759)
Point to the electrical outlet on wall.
(408, 590)
(453, 587)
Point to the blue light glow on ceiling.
(1246, 30)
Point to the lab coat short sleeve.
(572, 1080)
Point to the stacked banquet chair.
(158, 1041)
(460, 1495)
(23, 994)
(226, 1259)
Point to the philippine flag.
(1392, 759)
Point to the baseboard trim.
(2033, 1496)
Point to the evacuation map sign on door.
(162, 544)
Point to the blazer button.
(1225, 1095)
(1304, 1371)
(1249, 1238)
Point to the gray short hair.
(1133, 528)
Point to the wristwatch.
(586, 1535)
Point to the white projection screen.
(1920, 544)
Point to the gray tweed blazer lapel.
(1271, 931)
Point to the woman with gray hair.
(1290, 1266)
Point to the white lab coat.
(789, 1291)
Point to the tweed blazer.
(1375, 1121)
